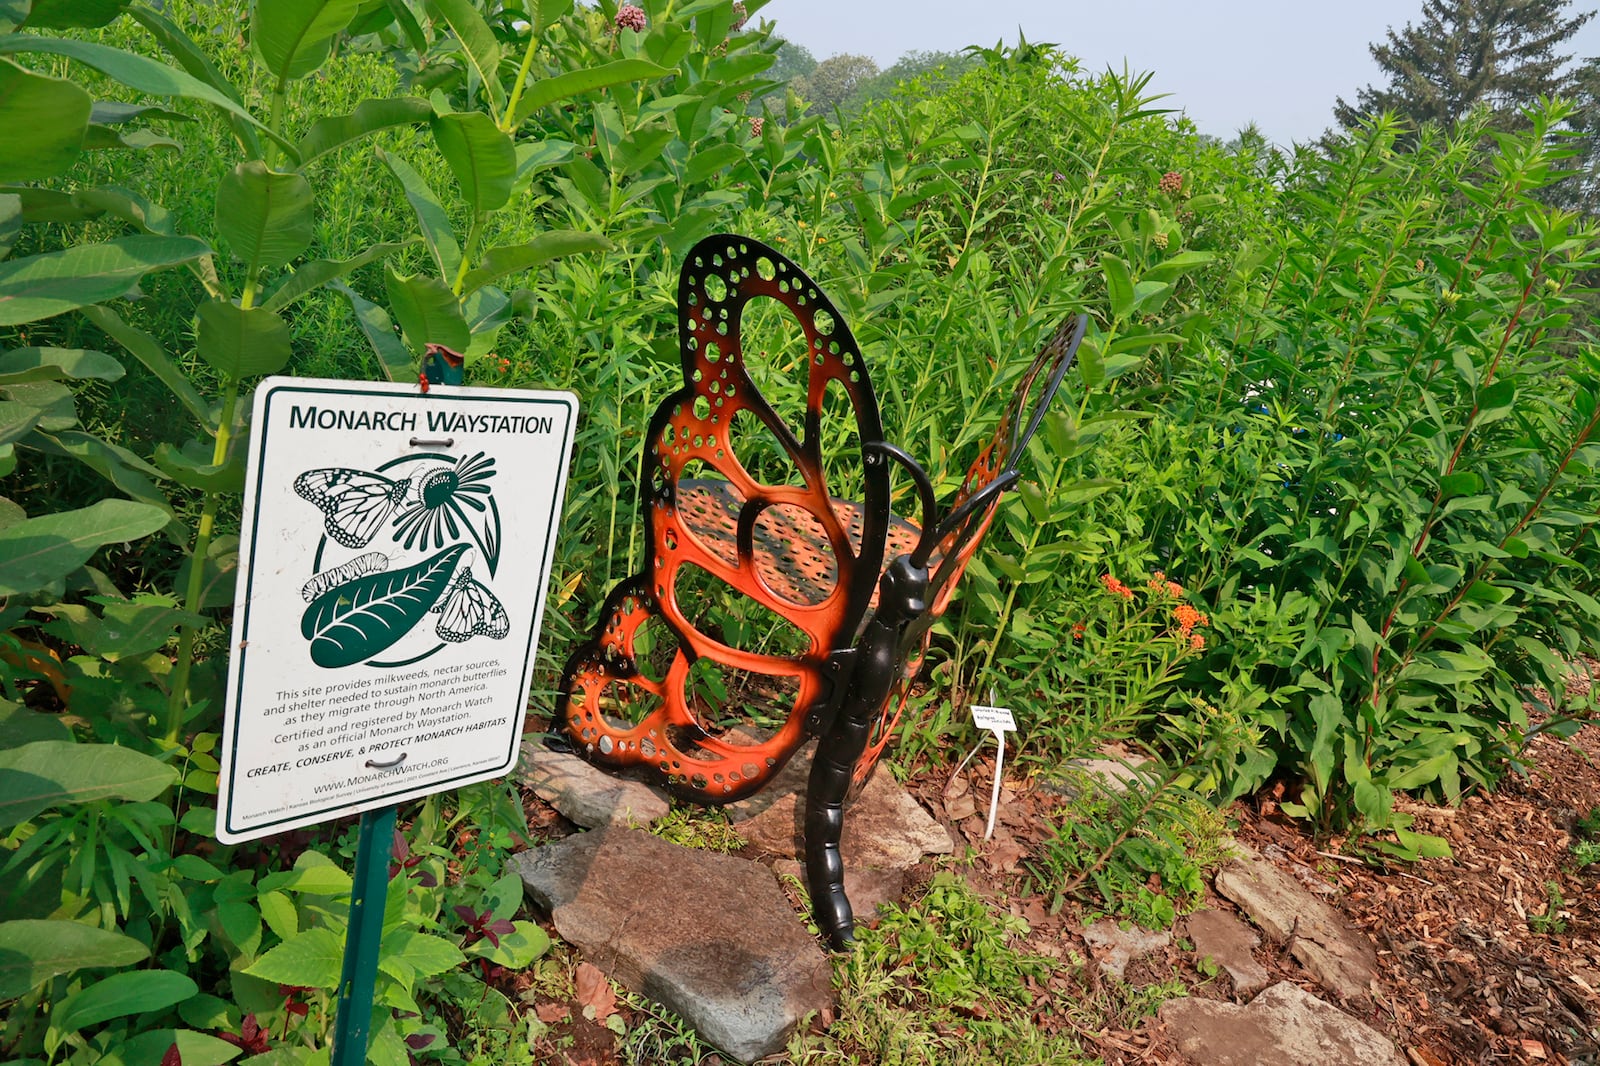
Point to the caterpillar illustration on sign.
(360, 566)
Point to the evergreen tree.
(1502, 54)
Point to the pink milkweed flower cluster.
(630, 17)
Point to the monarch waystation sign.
(395, 553)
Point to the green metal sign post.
(367, 897)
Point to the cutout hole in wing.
(733, 617)
(708, 512)
(777, 359)
(757, 450)
(598, 703)
(840, 448)
(794, 556)
(724, 698)
(654, 648)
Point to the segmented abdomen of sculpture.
(630, 706)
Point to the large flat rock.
(1283, 1026)
(884, 829)
(1336, 953)
(587, 794)
(710, 937)
(1228, 942)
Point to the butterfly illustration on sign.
(431, 505)
(426, 502)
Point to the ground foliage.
(1341, 400)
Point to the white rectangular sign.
(995, 718)
(394, 556)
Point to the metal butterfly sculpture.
(863, 585)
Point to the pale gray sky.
(1277, 62)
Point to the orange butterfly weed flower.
(1158, 583)
(1188, 617)
(1115, 587)
(1077, 630)
(1197, 641)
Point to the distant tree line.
(849, 82)
(1503, 55)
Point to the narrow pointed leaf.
(370, 116)
(395, 359)
(120, 995)
(547, 91)
(511, 259)
(155, 359)
(478, 40)
(431, 218)
(321, 271)
(33, 951)
(51, 773)
(136, 72)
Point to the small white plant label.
(995, 718)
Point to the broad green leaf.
(41, 286)
(516, 949)
(1182, 263)
(1463, 483)
(17, 420)
(45, 120)
(575, 82)
(478, 41)
(73, 14)
(426, 954)
(293, 37)
(103, 138)
(120, 995)
(431, 218)
(192, 466)
(370, 116)
(33, 951)
(317, 879)
(705, 163)
(128, 206)
(194, 1048)
(265, 216)
(394, 358)
(10, 222)
(1496, 401)
(40, 550)
(279, 912)
(49, 773)
(481, 157)
(312, 959)
(534, 156)
(155, 359)
(240, 343)
(52, 364)
(309, 276)
(19, 726)
(511, 259)
(428, 311)
(359, 619)
(1119, 285)
(136, 72)
(547, 11)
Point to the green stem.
(508, 120)
(467, 253)
(280, 96)
(177, 698)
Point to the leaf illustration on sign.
(357, 620)
(470, 610)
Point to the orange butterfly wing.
(804, 556)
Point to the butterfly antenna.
(925, 493)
